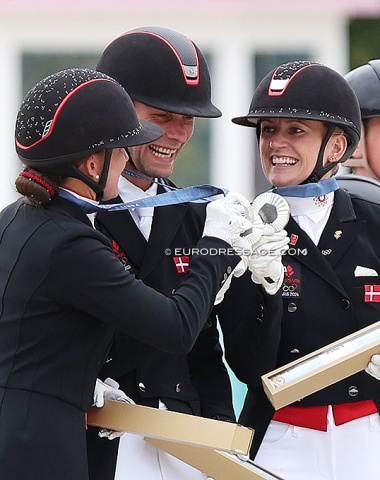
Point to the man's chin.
(162, 172)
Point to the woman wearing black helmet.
(62, 289)
(308, 120)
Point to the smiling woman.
(288, 149)
(63, 291)
(308, 120)
(283, 95)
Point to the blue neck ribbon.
(308, 189)
(182, 195)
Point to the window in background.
(192, 165)
(36, 66)
(364, 40)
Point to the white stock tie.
(145, 217)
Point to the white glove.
(227, 218)
(373, 367)
(244, 247)
(266, 261)
(109, 390)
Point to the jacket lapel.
(339, 233)
(122, 228)
(341, 229)
(166, 222)
(144, 256)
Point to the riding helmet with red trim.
(161, 68)
(311, 91)
(72, 114)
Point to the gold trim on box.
(323, 367)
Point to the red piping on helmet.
(276, 92)
(56, 115)
(188, 80)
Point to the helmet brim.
(246, 121)
(253, 118)
(148, 133)
(184, 107)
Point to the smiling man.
(167, 77)
(156, 160)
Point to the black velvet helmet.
(73, 113)
(365, 82)
(311, 91)
(161, 68)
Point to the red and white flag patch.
(293, 239)
(182, 263)
(372, 293)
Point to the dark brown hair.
(37, 186)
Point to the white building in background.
(232, 32)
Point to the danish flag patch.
(181, 263)
(293, 239)
(372, 293)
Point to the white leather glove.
(244, 246)
(266, 261)
(373, 367)
(109, 390)
(227, 218)
(244, 228)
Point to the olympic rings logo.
(289, 288)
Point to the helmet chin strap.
(104, 177)
(137, 174)
(130, 159)
(319, 170)
(98, 187)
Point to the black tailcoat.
(62, 295)
(325, 302)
